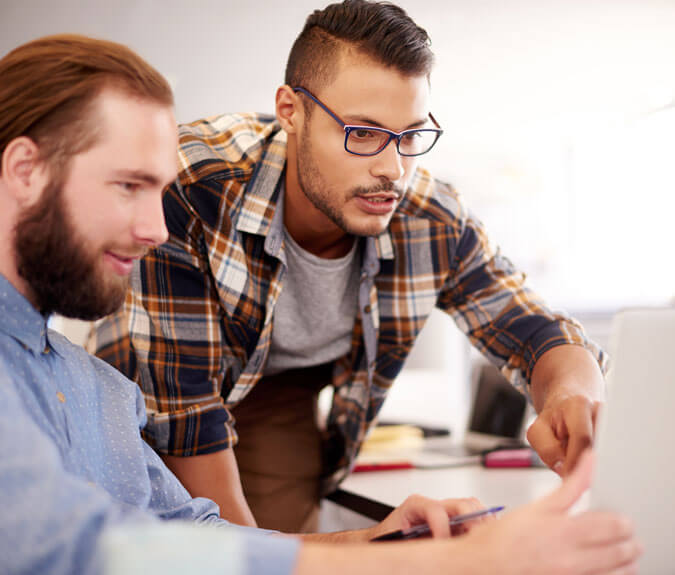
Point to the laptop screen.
(635, 467)
(498, 408)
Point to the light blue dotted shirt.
(73, 463)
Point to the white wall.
(542, 102)
(547, 105)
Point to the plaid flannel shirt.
(195, 329)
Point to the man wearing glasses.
(307, 250)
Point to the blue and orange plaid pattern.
(195, 329)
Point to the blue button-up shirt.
(72, 461)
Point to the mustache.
(379, 188)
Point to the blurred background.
(559, 120)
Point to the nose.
(150, 226)
(388, 163)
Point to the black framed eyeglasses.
(369, 140)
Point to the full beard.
(54, 261)
(314, 188)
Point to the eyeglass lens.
(370, 141)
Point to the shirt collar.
(262, 209)
(262, 195)
(383, 245)
(20, 320)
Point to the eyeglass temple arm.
(340, 120)
(319, 103)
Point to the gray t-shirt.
(314, 315)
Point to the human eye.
(411, 136)
(363, 134)
(129, 187)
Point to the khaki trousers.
(279, 450)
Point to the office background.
(559, 130)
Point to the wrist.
(352, 536)
(569, 388)
(366, 534)
(565, 372)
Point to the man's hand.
(564, 429)
(417, 509)
(538, 538)
(413, 511)
(544, 538)
(567, 389)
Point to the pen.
(424, 530)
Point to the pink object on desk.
(522, 457)
(496, 459)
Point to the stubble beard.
(325, 200)
(63, 275)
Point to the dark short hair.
(379, 30)
(48, 86)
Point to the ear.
(23, 172)
(290, 112)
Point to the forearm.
(421, 558)
(564, 371)
(216, 477)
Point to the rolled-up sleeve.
(491, 303)
(183, 548)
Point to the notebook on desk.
(634, 463)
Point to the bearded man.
(87, 144)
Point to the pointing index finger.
(579, 421)
(542, 437)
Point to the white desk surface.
(509, 487)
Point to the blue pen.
(423, 530)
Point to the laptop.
(497, 416)
(635, 467)
(497, 412)
(496, 420)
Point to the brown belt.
(279, 449)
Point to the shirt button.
(61, 397)
(366, 309)
(45, 350)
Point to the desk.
(509, 487)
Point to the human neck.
(313, 231)
(320, 245)
(8, 266)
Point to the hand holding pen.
(423, 530)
